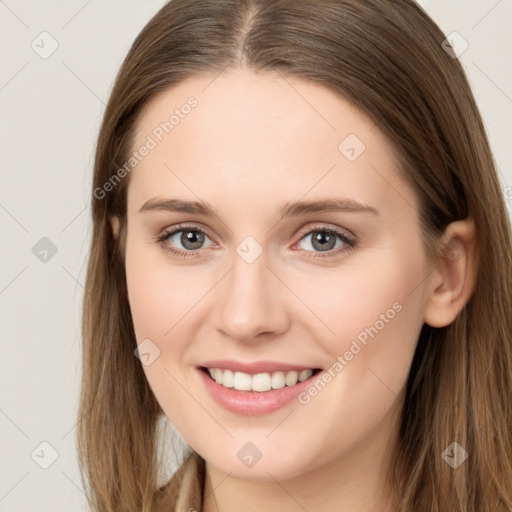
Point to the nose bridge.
(248, 285)
(249, 304)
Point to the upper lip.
(254, 367)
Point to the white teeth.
(291, 378)
(305, 374)
(228, 378)
(242, 381)
(217, 375)
(278, 380)
(260, 382)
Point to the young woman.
(301, 258)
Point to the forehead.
(244, 134)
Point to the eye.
(191, 239)
(323, 239)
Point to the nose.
(251, 305)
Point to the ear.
(115, 223)
(453, 280)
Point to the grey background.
(50, 109)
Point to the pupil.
(188, 238)
(323, 238)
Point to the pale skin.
(252, 144)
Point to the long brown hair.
(385, 57)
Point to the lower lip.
(253, 403)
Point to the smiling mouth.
(260, 382)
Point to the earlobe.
(453, 280)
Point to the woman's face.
(260, 286)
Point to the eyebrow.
(289, 209)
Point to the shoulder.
(184, 491)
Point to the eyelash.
(350, 243)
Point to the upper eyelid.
(180, 227)
(322, 226)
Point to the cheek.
(157, 304)
(374, 315)
(145, 295)
(166, 301)
(155, 290)
(372, 308)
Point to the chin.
(275, 465)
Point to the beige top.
(184, 491)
